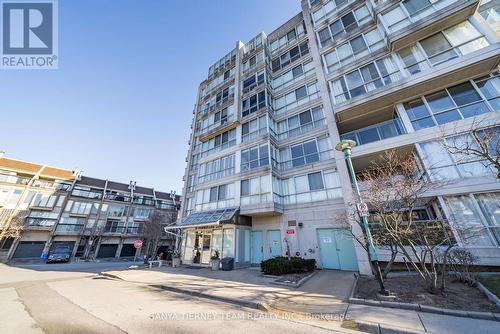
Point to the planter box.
(215, 264)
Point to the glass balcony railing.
(224, 121)
(370, 134)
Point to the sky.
(120, 105)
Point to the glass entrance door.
(205, 249)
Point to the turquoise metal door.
(328, 249)
(274, 239)
(257, 247)
(345, 250)
(337, 249)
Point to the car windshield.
(60, 251)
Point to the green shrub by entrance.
(282, 265)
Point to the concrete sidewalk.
(324, 294)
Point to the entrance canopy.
(207, 218)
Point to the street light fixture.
(346, 147)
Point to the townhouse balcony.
(39, 224)
(406, 25)
(5, 178)
(261, 204)
(214, 129)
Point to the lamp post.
(346, 147)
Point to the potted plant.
(215, 260)
(176, 259)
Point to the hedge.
(282, 265)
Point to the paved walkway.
(325, 293)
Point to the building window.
(354, 49)
(253, 103)
(410, 11)
(449, 44)
(290, 56)
(216, 169)
(295, 98)
(365, 79)
(44, 201)
(454, 103)
(328, 9)
(254, 157)
(292, 76)
(70, 224)
(284, 40)
(307, 152)
(316, 186)
(344, 25)
(301, 123)
(219, 143)
(254, 128)
(465, 214)
(256, 190)
(443, 165)
(255, 80)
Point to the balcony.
(39, 223)
(14, 179)
(213, 129)
(303, 160)
(225, 102)
(412, 25)
(373, 133)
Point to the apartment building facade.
(262, 176)
(96, 218)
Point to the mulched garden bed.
(410, 289)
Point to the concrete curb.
(105, 274)
(491, 296)
(428, 309)
(299, 283)
(376, 328)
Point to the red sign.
(138, 243)
(363, 209)
(290, 231)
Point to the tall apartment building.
(263, 178)
(97, 218)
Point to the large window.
(316, 186)
(219, 143)
(443, 165)
(446, 45)
(253, 61)
(216, 169)
(253, 81)
(221, 196)
(365, 79)
(295, 98)
(284, 40)
(290, 77)
(70, 224)
(301, 123)
(344, 25)
(219, 80)
(253, 103)
(290, 56)
(355, 48)
(304, 153)
(217, 119)
(465, 100)
(254, 157)
(472, 228)
(256, 190)
(44, 200)
(328, 9)
(254, 128)
(407, 12)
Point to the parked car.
(59, 254)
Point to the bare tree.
(152, 231)
(13, 226)
(93, 234)
(395, 188)
(479, 143)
